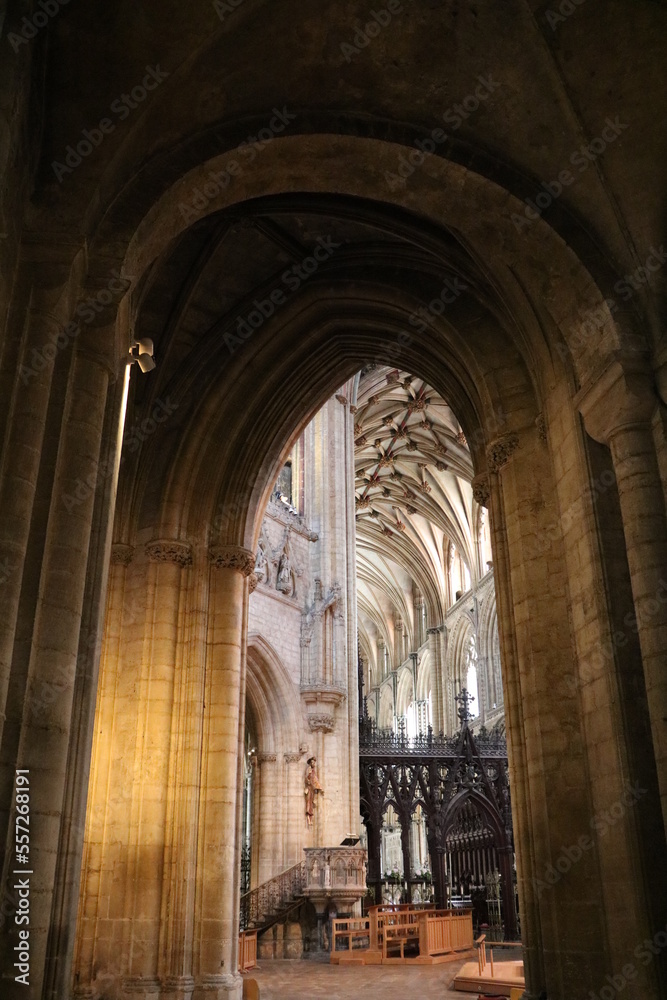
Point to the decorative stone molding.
(290, 519)
(328, 693)
(169, 550)
(293, 758)
(221, 984)
(121, 555)
(144, 985)
(499, 451)
(353, 408)
(253, 580)
(540, 424)
(232, 557)
(481, 490)
(267, 758)
(177, 988)
(322, 723)
(436, 629)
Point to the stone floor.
(310, 979)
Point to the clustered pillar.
(216, 924)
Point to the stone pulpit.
(335, 881)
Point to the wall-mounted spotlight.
(142, 352)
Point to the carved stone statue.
(284, 580)
(312, 788)
(262, 564)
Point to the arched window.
(283, 488)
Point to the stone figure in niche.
(312, 788)
(262, 564)
(285, 580)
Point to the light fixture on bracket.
(142, 352)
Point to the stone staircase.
(271, 902)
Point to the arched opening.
(205, 499)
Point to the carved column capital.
(267, 758)
(499, 451)
(253, 580)
(232, 557)
(169, 550)
(121, 555)
(622, 395)
(321, 722)
(481, 489)
(293, 758)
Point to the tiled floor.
(308, 980)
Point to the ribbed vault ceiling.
(413, 493)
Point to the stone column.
(217, 922)
(618, 411)
(524, 833)
(22, 455)
(418, 604)
(45, 731)
(438, 680)
(173, 731)
(382, 660)
(92, 905)
(295, 819)
(270, 827)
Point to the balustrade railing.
(270, 897)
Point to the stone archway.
(199, 502)
(311, 348)
(278, 795)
